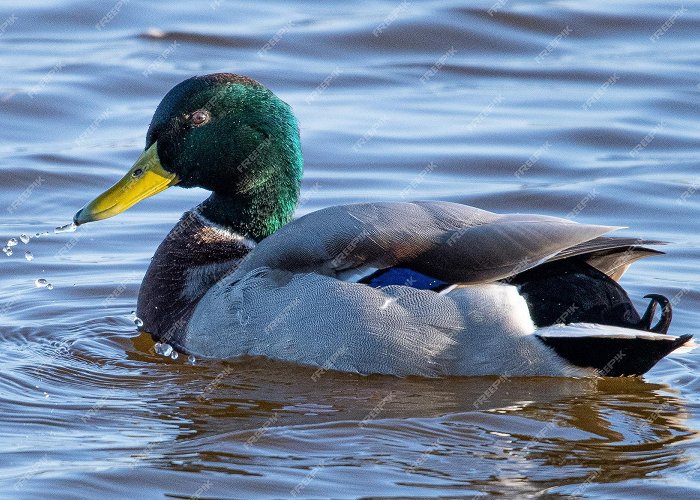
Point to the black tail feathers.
(612, 355)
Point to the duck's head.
(227, 134)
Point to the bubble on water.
(11, 242)
(174, 355)
(28, 255)
(41, 283)
(191, 359)
(49, 286)
(68, 228)
(163, 349)
(138, 322)
(24, 238)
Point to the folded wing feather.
(449, 241)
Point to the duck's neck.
(255, 214)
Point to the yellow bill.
(146, 178)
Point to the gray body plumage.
(291, 296)
(320, 321)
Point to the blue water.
(580, 109)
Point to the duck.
(424, 288)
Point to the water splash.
(7, 250)
(12, 242)
(24, 238)
(138, 321)
(29, 256)
(68, 228)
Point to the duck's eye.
(199, 117)
(137, 173)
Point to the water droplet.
(40, 283)
(174, 355)
(28, 255)
(24, 238)
(41, 234)
(49, 286)
(138, 322)
(8, 252)
(164, 349)
(68, 228)
(191, 359)
(11, 242)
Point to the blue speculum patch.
(405, 277)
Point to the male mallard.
(425, 288)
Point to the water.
(66, 228)
(587, 110)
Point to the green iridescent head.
(224, 133)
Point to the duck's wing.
(451, 242)
(611, 255)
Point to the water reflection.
(495, 435)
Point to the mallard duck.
(426, 288)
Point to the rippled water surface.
(580, 109)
